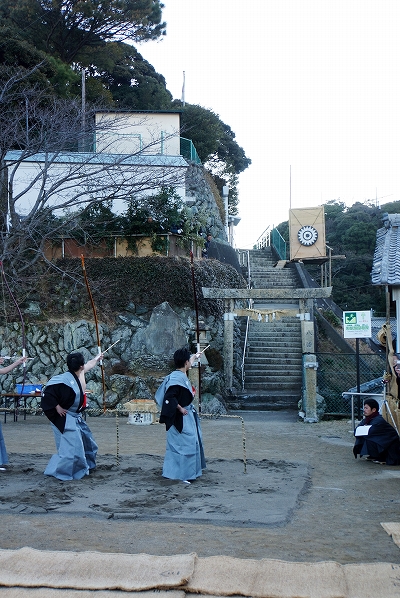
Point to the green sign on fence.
(357, 324)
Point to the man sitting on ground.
(379, 441)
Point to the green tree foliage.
(64, 28)
(161, 213)
(154, 214)
(132, 82)
(57, 39)
(95, 223)
(145, 281)
(216, 146)
(67, 36)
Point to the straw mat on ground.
(393, 529)
(29, 573)
(93, 570)
(227, 576)
(66, 593)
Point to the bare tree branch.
(45, 174)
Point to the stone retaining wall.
(136, 364)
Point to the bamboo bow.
(22, 323)
(97, 331)
(197, 322)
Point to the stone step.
(274, 277)
(262, 269)
(274, 383)
(277, 304)
(270, 356)
(273, 284)
(273, 369)
(275, 325)
(273, 273)
(281, 321)
(270, 366)
(274, 345)
(269, 340)
(266, 334)
(261, 401)
(273, 331)
(273, 364)
(276, 332)
(287, 362)
(268, 361)
(261, 384)
(258, 369)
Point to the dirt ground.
(284, 490)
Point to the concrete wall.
(152, 133)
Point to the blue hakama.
(184, 456)
(76, 450)
(3, 451)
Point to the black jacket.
(174, 396)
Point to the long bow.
(103, 379)
(197, 323)
(22, 323)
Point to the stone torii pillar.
(305, 297)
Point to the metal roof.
(99, 158)
(386, 262)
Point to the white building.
(134, 154)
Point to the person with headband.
(184, 457)
(63, 400)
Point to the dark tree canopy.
(54, 41)
(64, 28)
(132, 81)
(214, 140)
(216, 146)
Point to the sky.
(310, 88)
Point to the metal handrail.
(264, 239)
(250, 305)
(188, 150)
(248, 271)
(245, 349)
(279, 243)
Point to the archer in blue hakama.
(3, 450)
(63, 402)
(5, 370)
(184, 457)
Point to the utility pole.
(225, 196)
(83, 108)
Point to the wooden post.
(309, 361)
(229, 317)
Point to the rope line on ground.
(117, 430)
(100, 412)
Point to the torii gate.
(306, 303)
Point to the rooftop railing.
(188, 150)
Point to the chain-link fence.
(337, 373)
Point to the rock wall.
(199, 188)
(134, 367)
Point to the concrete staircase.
(273, 362)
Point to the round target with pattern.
(307, 235)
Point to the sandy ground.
(289, 490)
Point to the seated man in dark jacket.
(380, 441)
